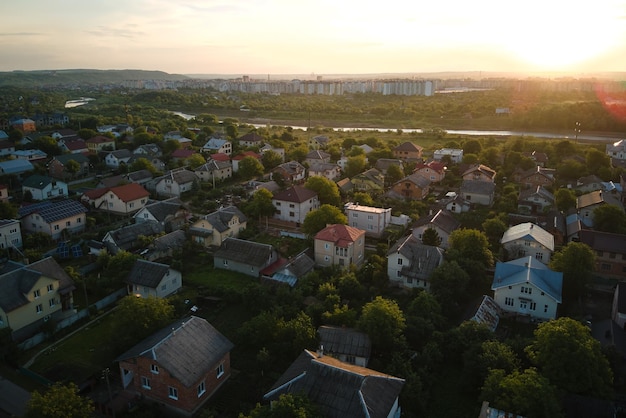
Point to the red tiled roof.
(96, 193)
(297, 194)
(75, 145)
(220, 157)
(182, 153)
(247, 154)
(99, 139)
(126, 192)
(341, 235)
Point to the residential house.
(413, 187)
(328, 170)
(487, 313)
(433, 171)
(218, 145)
(587, 203)
(339, 245)
(292, 172)
(340, 389)
(479, 172)
(180, 366)
(317, 156)
(383, 164)
(370, 219)
(589, 184)
(251, 139)
(6, 148)
(618, 308)
(149, 279)
(245, 257)
(441, 221)
(32, 155)
(214, 170)
(617, 150)
(455, 203)
(610, 252)
(408, 151)
(280, 151)
(16, 167)
(73, 145)
(535, 201)
(369, 181)
(33, 294)
(345, 344)
(455, 155)
(214, 228)
(527, 287)
(24, 125)
(478, 192)
(319, 142)
(237, 159)
(345, 186)
(100, 143)
(54, 218)
(165, 246)
(294, 203)
(128, 238)
(528, 239)
(540, 158)
(57, 166)
(253, 186)
(122, 200)
(141, 177)
(112, 181)
(291, 270)
(10, 234)
(366, 148)
(64, 133)
(148, 151)
(115, 159)
(411, 263)
(44, 187)
(539, 176)
(4, 193)
(3, 135)
(182, 154)
(175, 182)
(170, 213)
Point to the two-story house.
(369, 181)
(329, 170)
(100, 143)
(294, 203)
(57, 166)
(175, 182)
(408, 151)
(538, 176)
(251, 139)
(345, 344)
(434, 171)
(527, 287)
(479, 172)
(214, 170)
(528, 239)
(218, 146)
(149, 279)
(535, 201)
(239, 157)
(411, 263)
(441, 221)
(180, 366)
(317, 156)
(123, 200)
(214, 228)
(339, 245)
(587, 203)
(610, 252)
(54, 218)
(127, 238)
(292, 172)
(44, 187)
(617, 150)
(10, 234)
(478, 192)
(115, 159)
(455, 154)
(413, 187)
(370, 219)
(171, 214)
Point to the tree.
(516, 393)
(609, 218)
(155, 313)
(48, 145)
(355, 165)
(288, 405)
(431, 237)
(72, 167)
(250, 167)
(142, 164)
(596, 159)
(470, 248)
(60, 401)
(394, 174)
(576, 261)
(449, 284)
(317, 219)
(327, 190)
(363, 198)
(271, 159)
(261, 204)
(479, 359)
(494, 229)
(423, 317)
(565, 199)
(566, 353)
(86, 133)
(7, 211)
(195, 160)
(384, 322)
(473, 146)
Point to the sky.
(314, 37)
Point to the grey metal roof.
(163, 208)
(147, 273)
(220, 218)
(37, 181)
(53, 211)
(423, 259)
(442, 219)
(348, 341)
(247, 252)
(529, 232)
(186, 349)
(79, 158)
(477, 186)
(126, 235)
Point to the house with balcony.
(433, 171)
(339, 245)
(54, 218)
(413, 187)
(370, 219)
(218, 146)
(294, 203)
(479, 172)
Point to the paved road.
(13, 399)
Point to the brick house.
(180, 366)
(610, 252)
(413, 187)
(339, 245)
(408, 151)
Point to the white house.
(528, 239)
(150, 279)
(527, 287)
(218, 145)
(116, 158)
(411, 263)
(456, 155)
(10, 233)
(175, 182)
(294, 203)
(44, 187)
(372, 220)
(442, 222)
(125, 199)
(617, 150)
(478, 192)
(53, 218)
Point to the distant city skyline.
(321, 37)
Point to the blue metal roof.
(15, 166)
(529, 270)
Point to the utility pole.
(577, 130)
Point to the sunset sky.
(321, 37)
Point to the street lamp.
(577, 129)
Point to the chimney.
(320, 351)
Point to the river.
(472, 132)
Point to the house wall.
(188, 400)
(407, 155)
(35, 223)
(477, 198)
(373, 223)
(535, 180)
(168, 187)
(524, 248)
(11, 235)
(169, 284)
(478, 175)
(208, 176)
(247, 269)
(545, 306)
(611, 264)
(112, 203)
(293, 211)
(419, 231)
(430, 174)
(327, 253)
(394, 273)
(52, 190)
(409, 190)
(27, 314)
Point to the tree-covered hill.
(50, 78)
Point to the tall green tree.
(565, 199)
(154, 313)
(250, 167)
(287, 406)
(327, 190)
(431, 237)
(394, 174)
(449, 284)
(317, 219)
(576, 261)
(566, 353)
(384, 322)
(59, 401)
(355, 165)
(271, 160)
(470, 249)
(261, 204)
(609, 218)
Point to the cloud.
(7, 34)
(109, 31)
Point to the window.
(399, 273)
(56, 227)
(201, 389)
(533, 306)
(539, 256)
(225, 262)
(326, 246)
(527, 290)
(399, 261)
(50, 288)
(164, 287)
(350, 359)
(523, 304)
(291, 205)
(370, 217)
(79, 220)
(355, 215)
(154, 368)
(292, 214)
(39, 308)
(51, 303)
(36, 294)
(220, 370)
(545, 308)
(173, 393)
(145, 382)
(509, 301)
(355, 224)
(605, 267)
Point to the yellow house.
(214, 228)
(33, 294)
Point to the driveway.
(13, 399)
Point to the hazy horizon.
(260, 37)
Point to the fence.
(71, 320)
(299, 235)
